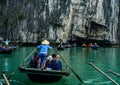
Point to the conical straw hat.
(45, 42)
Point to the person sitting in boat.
(90, 45)
(49, 63)
(3, 47)
(95, 45)
(56, 63)
(84, 45)
(34, 61)
(60, 44)
(53, 56)
(44, 47)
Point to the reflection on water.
(1, 83)
(95, 55)
(113, 56)
(6, 65)
(94, 82)
(15, 82)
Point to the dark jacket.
(33, 62)
(56, 65)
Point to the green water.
(77, 57)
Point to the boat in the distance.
(60, 47)
(7, 51)
(84, 45)
(95, 46)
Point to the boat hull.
(95, 48)
(39, 75)
(5, 51)
(60, 48)
(43, 78)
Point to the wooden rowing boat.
(40, 75)
(7, 51)
(95, 47)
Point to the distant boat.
(90, 45)
(7, 51)
(74, 45)
(67, 45)
(95, 46)
(13, 47)
(84, 45)
(60, 47)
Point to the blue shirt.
(6, 42)
(44, 48)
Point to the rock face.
(32, 20)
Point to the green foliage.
(18, 15)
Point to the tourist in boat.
(34, 61)
(67, 45)
(84, 45)
(56, 63)
(90, 45)
(53, 56)
(44, 47)
(2, 47)
(49, 63)
(60, 44)
(95, 46)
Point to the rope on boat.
(114, 73)
(5, 78)
(21, 64)
(70, 67)
(90, 63)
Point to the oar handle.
(5, 78)
(114, 73)
(90, 63)
(21, 64)
(29, 55)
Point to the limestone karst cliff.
(32, 20)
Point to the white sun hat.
(45, 42)
(58, 56)
(49, 57)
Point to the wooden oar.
(21, 63)
(5, 78)
(90, 63)
(70, 67)
(114, 73)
